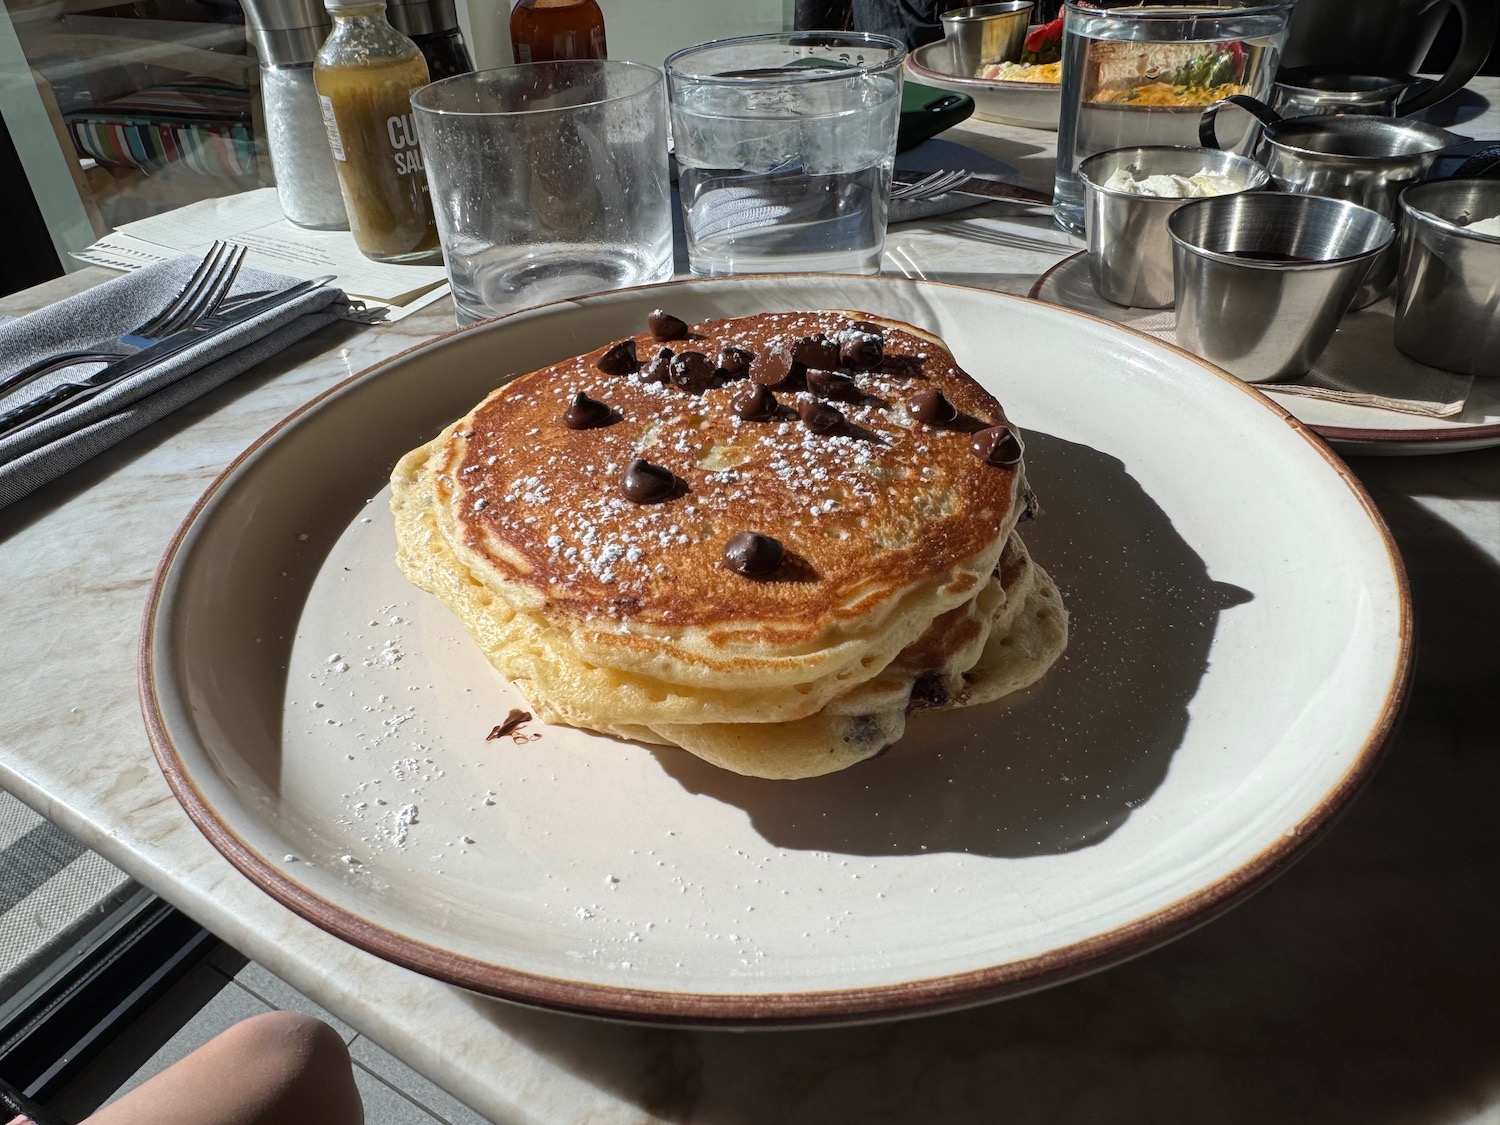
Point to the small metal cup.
(1310, 91)
(1364, 159)
(1130, 252)
(1448, 287)
(1262, 279)
(986, 34)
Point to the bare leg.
(280, 1068)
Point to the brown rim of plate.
(1351, 434)
(784, 1009)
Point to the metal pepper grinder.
(287, 35)
(433, 26)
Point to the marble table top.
(1361, 986)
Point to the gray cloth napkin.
(42, 453)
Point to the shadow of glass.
(1060, 766)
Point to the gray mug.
(1389, 37)
(1356, 157)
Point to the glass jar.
(306, 182)
(365, 74)
(547, 30)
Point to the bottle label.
(335, 142)
(402, 132)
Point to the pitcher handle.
(1479, 18)
(1208, 135)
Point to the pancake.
(638, 600)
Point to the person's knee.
(291, 1042)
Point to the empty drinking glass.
(549, 180)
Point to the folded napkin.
(41, 453)
(1360, 366)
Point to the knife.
(65, 396)
(986, 185)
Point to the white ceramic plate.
(1348, 427)
(1031, 105)
(1241, 641)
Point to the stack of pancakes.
(762, 539)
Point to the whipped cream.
(1490, 226)
(1170, 185)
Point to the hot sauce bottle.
(545, 30)
(365, 74)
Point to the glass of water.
(549, 180)
(785, 145)
(1141, 74)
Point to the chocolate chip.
(752, 554)
(816, 351)
(619, 358)
(734, 363)
(930, 689)
(755, 404)
(819, 417)
(832, 384)
(585, 413)
(776, 366)
(691, 371)
(904, 365)
(646, 483)
(862, 350)
(658, 369)
(932, 407)
(665, 326)
(997, 445)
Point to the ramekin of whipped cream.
(1169, 185)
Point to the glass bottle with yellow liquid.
(365, 74)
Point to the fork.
(199, 296)
(930, 185)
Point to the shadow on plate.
(1060, 766)
(1268, 1014)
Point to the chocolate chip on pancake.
(816, 351)
(752, 554)
(665, 326)
(997, 445)
(691, 371)
(619, 359)
(819, 417)
(832, 384)
(585, 413)
(860, 349)
(734, 363)
(776, 366)
(932, 407)
(658, 367)
(755, 404)
(646, 483)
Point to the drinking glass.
(1141, 75)
(549, 180)
(785, 145)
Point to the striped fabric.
(199, 123)
(51, 888)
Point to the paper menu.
(254, 220)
